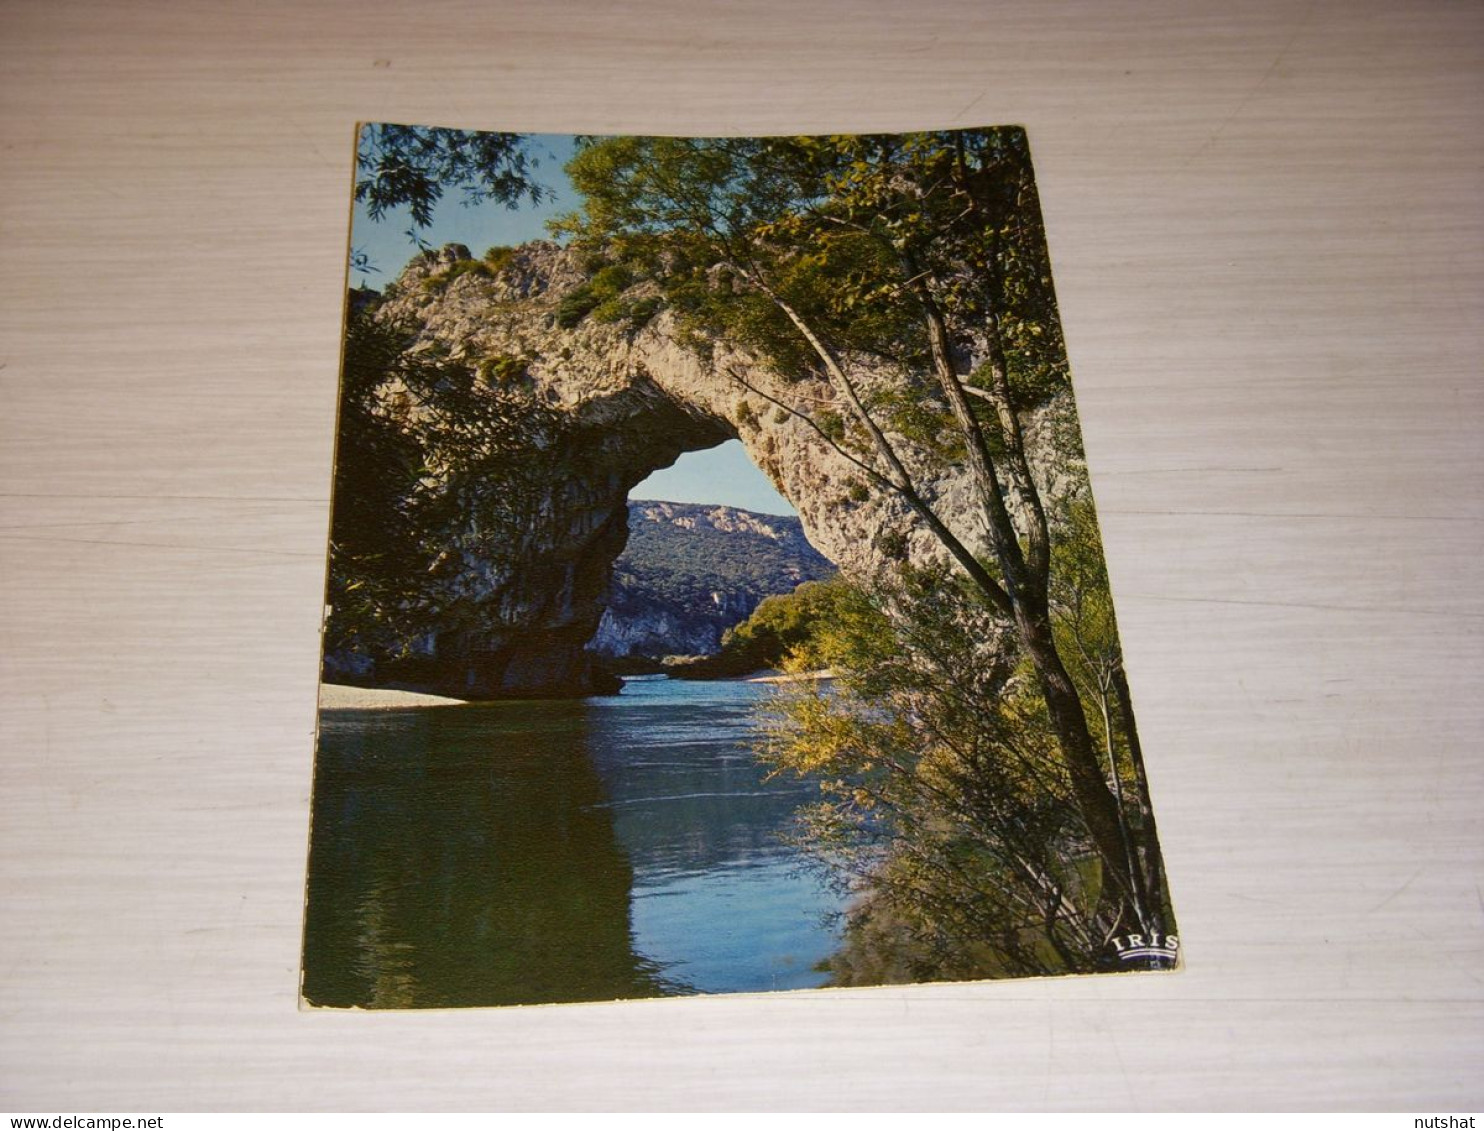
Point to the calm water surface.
(565, 851)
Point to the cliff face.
(517, 579)
(690, 572)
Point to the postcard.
(716, 602)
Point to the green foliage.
(680, 569)
(778, 627)
(606, 288)
(689, 564)
(636, 313)
(504, 370)
(1086, 633)
(608, 297)
(832, 425)
(784, 623)
(888, 265)
(975, 819)
(891, 545)
(576, 305)
(436, 284)
(674, 210)
(498, 258)
(947, 809)
(415, 165)
(855, 237)
(920, 417)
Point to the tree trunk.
(1026, 583)
(1089, 788)
(1148, 839)
(1024, 592)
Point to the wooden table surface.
(1266, 226)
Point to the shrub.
(504, 370)
(436, 284)
(576, 305)
(498, 258)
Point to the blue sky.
(479, 228)
(722, 474)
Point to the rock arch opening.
(519, 438)
(709, 541)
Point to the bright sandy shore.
(343, 697)
(773, 675)
(340, 697)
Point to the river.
(517, 853)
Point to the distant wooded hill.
(691, 571)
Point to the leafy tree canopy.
(415, 165)
(850, 232)
(944, 807)
(781, 625)
(910, 273)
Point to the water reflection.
(543, 852)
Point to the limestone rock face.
(692, 571)
(521, 581)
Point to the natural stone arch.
(513, 618)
